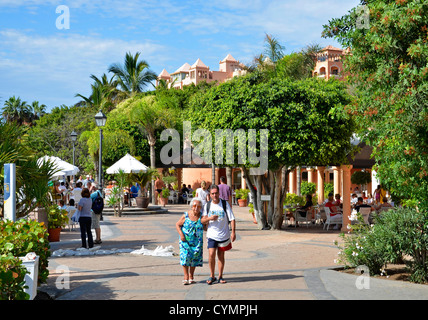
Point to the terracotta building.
(187, 74)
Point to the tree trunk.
(277, 199)
(256, 196)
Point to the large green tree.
(388, 67)
(51, 134)
(304, 128)
(151, 114)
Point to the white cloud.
(38, 58)
(66, 62)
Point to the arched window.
(334, 70)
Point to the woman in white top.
(202, 193)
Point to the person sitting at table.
(384, 204)
(361, 204)
(303, 211)
(354, 200)
(184, 192)
(337, 202)
(334, 210)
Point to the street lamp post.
(73, 136)
(100, 120)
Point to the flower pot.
(54, 234)
(142, 202)
(242, 202)
(31, 263)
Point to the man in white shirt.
(217, 213)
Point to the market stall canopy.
(128, 164)
(65, 168)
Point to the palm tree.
(150, 115)
(134, 75)
(100, 97)
(16, 110)
(110, 88)
(273, 50)
(310, 56)
(37, 110)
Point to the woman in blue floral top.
(191, 232)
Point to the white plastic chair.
(365, 212)
(307, 219)
(320, 214)
(71, 223)
(336, 219)
(189, 198)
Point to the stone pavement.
(263, 265)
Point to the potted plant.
(165, 195)
(143, 178)
(114, 201)
(33, 179)
(57, 218)
(361, 178)
(242, 195)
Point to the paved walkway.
(272, 265)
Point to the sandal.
(191, 281)
(221, 280)
(211, 280)
(185, 282)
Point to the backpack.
(98, 204)
(223, 202)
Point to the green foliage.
(165, 193)
(304, 127)
(31, 177)
(51, 134)
(308, 188)
(23, 236)
(292, 199)
(133, 75)
(362, 248)
(242, 193)
(397, 235)
(143, 178)
(389, 72)
(251, 206)
(169, 179)
(12, 275)
(361, 177)
(328, 188)
(114, 200)
(57, 217)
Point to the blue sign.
(10, 191)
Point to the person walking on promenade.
(218, 214)
(202, 193)
(224, 191)
(85, 220)
(191, 233)
(159, 184)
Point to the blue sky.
(40, 62)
